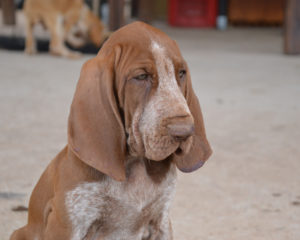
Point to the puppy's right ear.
(95, 132)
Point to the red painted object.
(192, 13)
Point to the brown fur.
(111, 175)
(66, 20)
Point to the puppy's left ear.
(200, 150)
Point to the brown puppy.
(133, 119)
(67, 20)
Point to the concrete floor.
(250, 94)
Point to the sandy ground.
(250, 94)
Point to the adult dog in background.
(66, 20)
(133, 120)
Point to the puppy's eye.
(182, 73)
(142, 77)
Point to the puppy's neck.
(136, 167)
(157, 171)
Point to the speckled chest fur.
(97, 209)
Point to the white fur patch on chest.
(117, 205)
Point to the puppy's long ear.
(96, 133)
(200, 150)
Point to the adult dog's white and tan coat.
(133, 120)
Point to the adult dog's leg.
(74, 41)
(30, 44)
(57, 47)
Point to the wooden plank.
(292, 27)
(116, 14)
(145, 10)
(268, 12)
(96, 7)
(8, 10)
(160, 10)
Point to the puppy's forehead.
(156, 48)
(141, 35)
(164, 60)
(166, 50)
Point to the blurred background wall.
(219, 14)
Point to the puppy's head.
(136, 98)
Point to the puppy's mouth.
(179, 151)
(154, 151)
(184, 147)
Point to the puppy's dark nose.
(180, 132)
